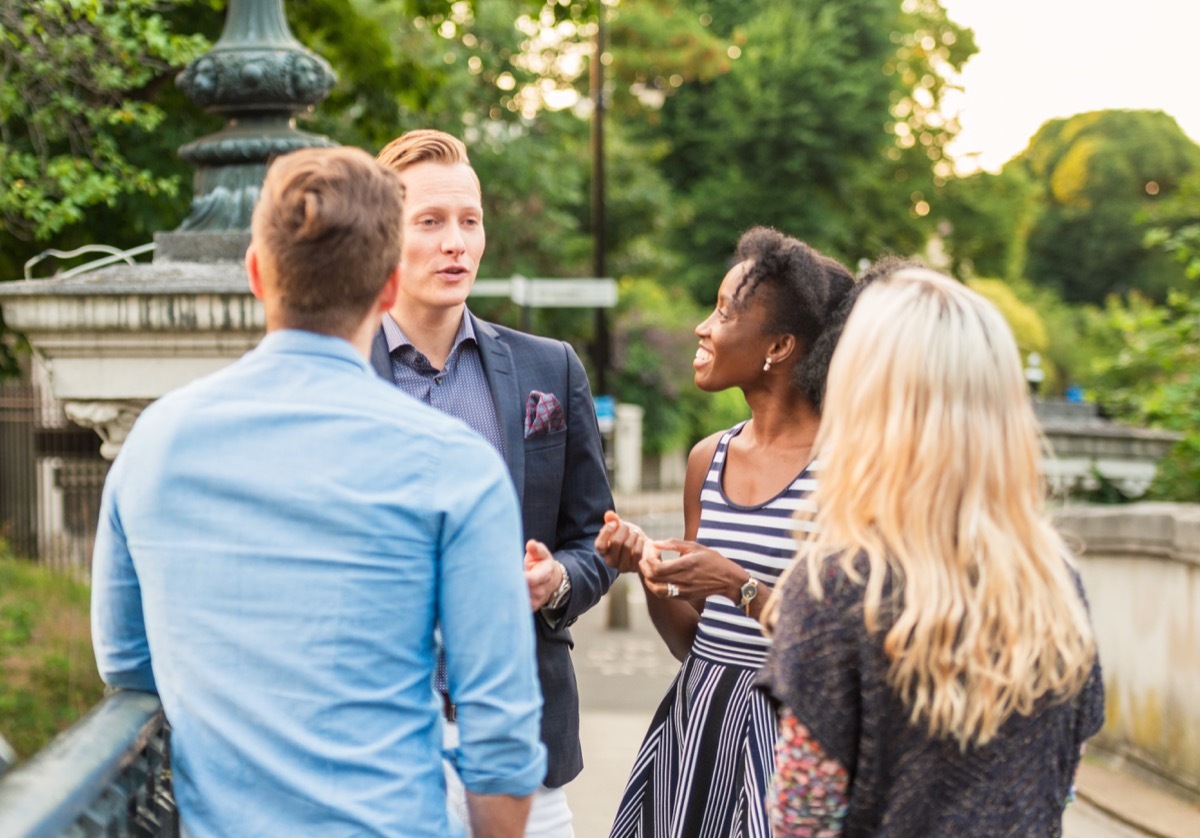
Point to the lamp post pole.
(618, 595)
(601, 349)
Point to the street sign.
(606, 412)
(551, 293)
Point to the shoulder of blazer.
(485, 330)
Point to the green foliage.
(379, 81)
(75, 95)
(1101, 175)
(984, 221)
(89, 124)
(50, 677)
(535, 194)
(825, 126)
(655, 344)
(656, 341)
(1024, 320)
(1077, 335)
(1154, 380)
(1175, 229)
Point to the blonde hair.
(929, 468)
(424, 145)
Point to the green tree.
(826, 126)
(984, 221)
(1101, 175)
(1152, 377)
(529, 136)
(90, 119)
(1154, 380)
(84, 111)
(1024, 320)
(77, 91)
(1077, 335)
(656, 342)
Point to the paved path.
(623, 674)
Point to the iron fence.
(108, 774)
(51, 477)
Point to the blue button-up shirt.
(277, 542)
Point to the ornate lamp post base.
(259, 76)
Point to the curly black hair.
(820, 354)
(806, 294)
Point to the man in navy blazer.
(529, 396)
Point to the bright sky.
(1041, 59)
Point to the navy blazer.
(563, 488)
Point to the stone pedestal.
(116, 339)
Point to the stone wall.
(1141, 568)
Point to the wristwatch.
(561, 592)
(749, 592)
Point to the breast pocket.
(546, 442)
(545, 462)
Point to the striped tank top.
(759, 538)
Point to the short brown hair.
(424, 145)
(328, 222)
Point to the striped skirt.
(703, 767)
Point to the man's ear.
(252, 272)
(390, 291)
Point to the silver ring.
(672, 589)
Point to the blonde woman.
(933, 663)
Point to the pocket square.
(543, 414)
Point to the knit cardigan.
(832, 674)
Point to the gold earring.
(767, 365)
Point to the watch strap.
(559, 597)
(749, 592)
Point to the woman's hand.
(620, 543)
(697, 573)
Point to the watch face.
(749, 591)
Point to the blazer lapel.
(380, 359)
(500, 371)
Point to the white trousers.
(549, 816)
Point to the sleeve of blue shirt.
(118, 626)
(487, 628)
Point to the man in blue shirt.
(278, 540)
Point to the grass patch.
(48, 675)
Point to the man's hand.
(542, 573)
(497, 815)
(620, 543)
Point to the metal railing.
(108, 774)
(115, 255)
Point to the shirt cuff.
(553, 616)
